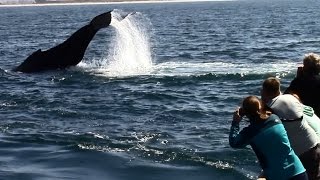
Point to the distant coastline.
(82, 2)
(64, 2)
(77, 1)
(39, 2)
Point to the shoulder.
(256, 128)
(297, 83)
(272, 121)
(278, 101)
(274, 118)
(317, 79)
(309, 79)
(287, 97)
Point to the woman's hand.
(237, 115)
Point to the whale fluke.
(69, 53)
(101, 21)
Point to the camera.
(241, 112)
(300, 71)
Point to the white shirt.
(286, 107)
(301, 136)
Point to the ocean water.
(153, 97)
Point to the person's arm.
(312, 119)
(293, 87)
(237, 138)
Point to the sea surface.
(154, 96)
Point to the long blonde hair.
(311, 63)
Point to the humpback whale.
(69, 53)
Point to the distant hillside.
(72, 1)
(4, 2)
(17, 1)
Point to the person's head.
(270, 89)
(311, 64)
(253, 108)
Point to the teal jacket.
(270, 143)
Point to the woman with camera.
(268, 139)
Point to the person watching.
(268, 139)
(307, 82)
(301, 124)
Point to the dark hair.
(251, 105)
(271, 85)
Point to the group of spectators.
(284, 128)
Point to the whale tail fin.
(101, 21)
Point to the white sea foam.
(220, 68)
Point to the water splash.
(129, 54)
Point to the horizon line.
(111, 2)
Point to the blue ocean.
(154, 95)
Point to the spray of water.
(129, 54)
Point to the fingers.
(236, 115)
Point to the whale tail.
(101, 21)
(69, 53)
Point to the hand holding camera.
(299, 71)
(238, 114)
